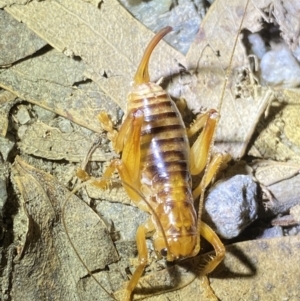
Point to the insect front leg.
(127, 141)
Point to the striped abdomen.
(165, 167)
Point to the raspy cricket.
(41, 262)
(156, 168)
(158, 163)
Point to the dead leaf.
(287, 17)
(17, 41)
(278, 137)
(114, 68)
(48, 81)
(47, 254)
(208, 58)
(4, 3)
(269, 172)
(104, 37)
(50, 143)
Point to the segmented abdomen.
(165, 160)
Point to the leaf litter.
(102, 81)
(45, 248)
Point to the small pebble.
(272, 232)
(292, 231)
(279, 67)
(23, 115)
(65, 126)
(295, 213)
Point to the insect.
(156, 168)
(158, 162)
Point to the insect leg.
(131, 187)
(198, 158)
(126, 140)
(213, 239)
(212, 169)
(119, 138)
(200, 148)
(131, 153)
(143, 256)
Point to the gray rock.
(231, 205)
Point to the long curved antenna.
(152, 211)
(142, 73)
(201, 201)
(158, 223)
(70, 240)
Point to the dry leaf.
(279, 137)
(209, 57)
(275, 178)
(287, 16)
(50, 143)
(111, 63)
(46, 253)
(103, 37)
(17, 41)
(237, 123)
(49, 81)
(4, 3)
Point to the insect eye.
(164, 252)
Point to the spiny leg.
(120, 138)
(143, 257)
(131, 187)
(198, 159)
(207, 233)
(209, 293)
(213, 167)
(117, 139)
(210, 235)
(107, 125)
(126, 140)
(200, 149)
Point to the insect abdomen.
(164, 143)
(165, 160)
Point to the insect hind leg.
(210, 235)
